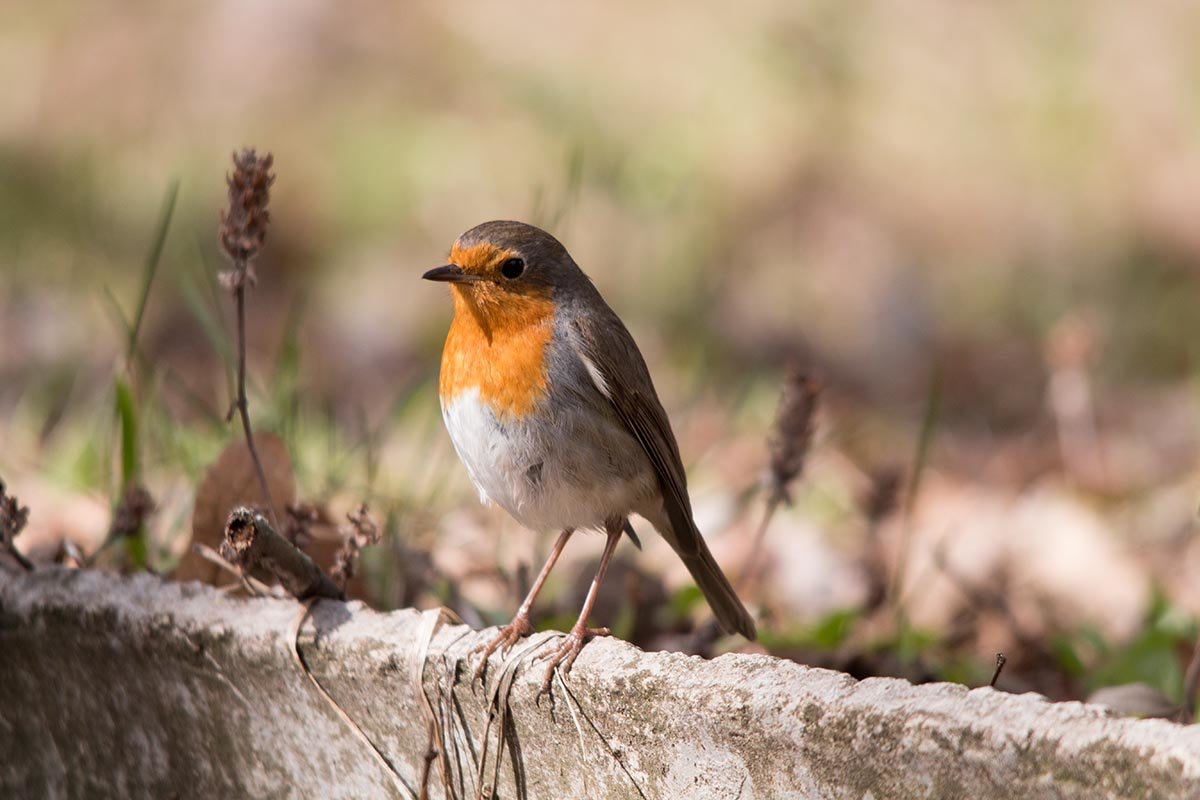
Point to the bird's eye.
(512, 268)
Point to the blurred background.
(975, 224)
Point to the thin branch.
(251, 542)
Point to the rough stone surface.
(132, 687)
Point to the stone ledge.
(135, 687)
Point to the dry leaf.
(1135, 700)
(231, 481)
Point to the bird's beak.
(450, 273)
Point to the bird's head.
(502, 268)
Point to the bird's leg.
(568, 650)
(520, 626)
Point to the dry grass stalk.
(13, 518)
(1191, 686)
(1069, 354)
(362, 532)
(253, 585)
(242, 233)
(878, 503)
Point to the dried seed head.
(135, 507)
(792, 432)
(881, 498)
(244, 223)
(362, 531)
(365, 528)
(13, 517)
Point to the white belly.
(563, 473)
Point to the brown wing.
(619, 372)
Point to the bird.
(551, 408)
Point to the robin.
(550, 406)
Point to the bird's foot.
(504, 640)
(563, 656)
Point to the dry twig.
(252, 584)
(13, 518)
(251, 542)
(878, 503)
(242, 232)
(1001, 660)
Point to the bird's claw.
(504, 640)
(563, 657)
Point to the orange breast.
(498, 348)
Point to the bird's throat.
(497, 345)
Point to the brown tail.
(730, 613)
(691, 549)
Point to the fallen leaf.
(1135, 700)
(230, 481)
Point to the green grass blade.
(152, 262)
(127, 415)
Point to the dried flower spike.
(792, 433)
(362, 532)
(244, 223)
(881, 499)
(13, 517)
(135, 507)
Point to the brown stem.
(240, 403)
(1001, 660)
(1191, 684)
(251, 542)
(19, 557)
(251, 584)
(753, 566)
